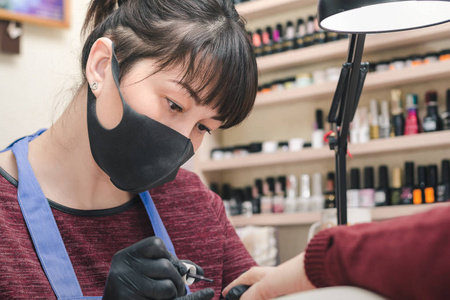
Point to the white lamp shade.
(385, 17)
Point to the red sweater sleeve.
(403, 258)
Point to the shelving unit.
(338, 49)
(395, 144)
(287, 112)
(378, 80)
(262, 8)
(283, 219)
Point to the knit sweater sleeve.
(236, 259)
(403, 258)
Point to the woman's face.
(161, 97)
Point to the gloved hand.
(236, 292)
(147, 270)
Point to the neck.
(64, 166)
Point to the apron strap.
(44, 231)
(43, 228)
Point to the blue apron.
(45, 234)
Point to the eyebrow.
(195, 96)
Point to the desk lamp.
(357, 18)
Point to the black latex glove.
(236, 292)
(147, 270)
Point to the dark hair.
(207, 38)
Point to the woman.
(158, 75)
(402, 258)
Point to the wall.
(36, 85)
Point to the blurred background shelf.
(338, 49)
(307, 218)
(374, 81)
(262, 8)
(394, 144)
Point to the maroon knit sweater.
(404, 258)
(194, 218)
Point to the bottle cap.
(431, 97)
(409, 173)
(383, 178)
(448, 100)
(259, 186)
(354, 179)
(292, 186)
(226, 191)
(238, 195)
(396, 178)
(319, 118)
(214, 187)
(317, 184)
(248, 193)
(271, 182)
(422, 175)
(445, 171)
(432, 176)
(373, 112)
(368, 178)
(330, 182)
(411, 101)
(282, 181)
(305, 186)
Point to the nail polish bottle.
(317, 198)
(289, 36)
(305, 193)
(257, 193)
(382, 194)
(309, 37)
(318, 132)
(432, 121)
(278, 198)
(278, 39)
(320, 36)
(226, 196)
(364, 127)
(374, 127)
(353, 198)
(367, 194)
(257, 43)
(443, 190)
(398, 119)
(300, 35)
(267, 41)
(247, 204)
(267, 198)
(408, 187)
(384, 120)
(446, 115)
(419, 191)
(291, 203)
(237, 197)
(330, 193)
(354, 128)
(396, 187)
(431, 184)
(412, 122)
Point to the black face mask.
(139, 153)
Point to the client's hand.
(147, 270)
(270, 282)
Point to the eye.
(173, 106)
(202, 128)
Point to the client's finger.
(253, 275)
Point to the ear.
(99, 61)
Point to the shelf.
(285, 219)
(262, 8)
(374, 81)
(431, 140)
(338, 49)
